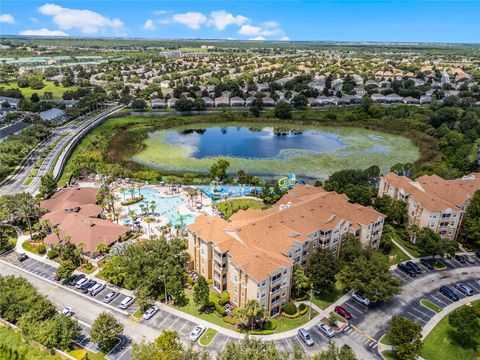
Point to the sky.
(452, 21)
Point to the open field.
(57, 91)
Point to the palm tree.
(153, 207)
(25, 208)
(149, 220)
(132, 192)
(124, 192)
(102, 248)
(142, 208)
(139, 188)
(252, 313)
(412, 232)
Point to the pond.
(273, 150)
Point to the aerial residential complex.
(432, 202)
(252, 255)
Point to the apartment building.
(252, 255)
(432, 202)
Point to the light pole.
(311, 296)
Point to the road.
(15, 184)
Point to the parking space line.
(289, 345)
(225, 344)
(320, 333)
(416, 317)
(360, 311)
(173, 324)
(439, 300)
(161, 322)
(181, 329)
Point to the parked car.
(110, 296)
(407, 270)
(79, 283)
(305, 336)
(460, 259)
(126, 302)
(414, 267)
(465, 289)
(22, 257)
(73, 281)
(67, 311)
(150, 312)
(427, 263)
(478, 254)
(449, 293)
(327, 330)
(358, 297)
(95, 290)
(340, 310)
(196, 333)
(88, 285)
(469, 259)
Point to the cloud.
(6, 19)
(258, 38)
(266, 29)
(191, 19)
(149, 25)
(43, 32)
(221, 19)
(33, 19)
(161, 12)
(87, 21)
(284, 38)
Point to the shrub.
(303, 310)
(42, 249)
(290, 309)
(228, 320)
(52, 254)
(220, 310)
(224, 298)
(270, 325)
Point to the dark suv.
(407, 270)
(414, 267)
(449, 293)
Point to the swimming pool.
(221, 191)
(164, 206)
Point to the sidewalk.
(21, 250)
(403, 249)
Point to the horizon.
(375, 21)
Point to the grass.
(82, 354)
(430, 305)
(284, 324)
(407, 245)
(57, 91)
(28, 181)
(438, 265)
(389, 355)
(385, 340)
(207, 337)
(396, 255)
(325, 299)
(337, 317)
(230, 207)
(138, 314)
(31, 246)
(441, 344)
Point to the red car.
(343, 312)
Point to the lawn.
(57, 91)
(138, 314)
(32, 246)
(407, 245)
(285, 324)
(230, 207)
(430, 305)
(396, 255)
(12, 342)
(440, 344)
(385, 340)
(389, 355)
(82, 354)
(207, 337)
(325, 299)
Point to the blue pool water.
(165, 206)
(244, 142)
(228, 190)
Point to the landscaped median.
(207, 337)
(132, 201)
(430, 305)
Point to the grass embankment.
(230, 207)
(119, 139)
(207, 337)
(401, 238)
(57, 91)
(12, 343)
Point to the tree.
(201, 293)
(350, 249)
(48, 185)
(218, 170)
(102, 248)
(143, 298)
(369, 273)
(466, 323)
(138, 104)
(394, 209)
(301, 282)
(323, 270)
(335, 353)
(167, 346)
(105, 329)
(35, 98)
(25, 208)
(5, 243)
(65, 270)
(406, 336)
(183, 104)
(251, 314)
(471, 224)
(283, 110)
(431, 244)
(300, 101)
(58, 332)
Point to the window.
(276, 277)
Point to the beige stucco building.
(432, 202)
(252, 255)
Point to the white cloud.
(191, 19)
(164, 21)
(33, 19)
(258, 38)
(267, 29)
(149, 25)
(221, 19)
(87, 21)
(43, 32)
(6, 19)
(284, 38)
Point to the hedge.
(290, 308)
(224, 298)
(303, 311)
(132, 201)
(294, 316)
(271, 324)
(229, 320)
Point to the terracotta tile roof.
(69, 198)
(259, 240)
(87, 231)
(56, 217)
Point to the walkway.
(402, 249)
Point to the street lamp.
(311, 296)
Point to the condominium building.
(252, 255)
(432, 202)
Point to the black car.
(22, 257)
(407, 270)
(449, 293)
(74, 279)
(427, 263)
(87, 286)
(414, 267)
(460, 258)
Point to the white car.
(358, 297)
(196, 333)
(150, 312)
(67, 311)
(327, 330)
